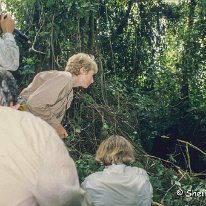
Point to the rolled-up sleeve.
(9, 52)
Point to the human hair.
(81, 60)
(115, 150)
(8, 88)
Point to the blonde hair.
(115, 150)
(77, 61)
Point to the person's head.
(115, 150)
(82, 66)
(8, 88)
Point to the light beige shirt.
(119, 185)
(49, 95)
(9, 52)
(35, 167)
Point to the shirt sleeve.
(58, 183)
(9, 52)
(46, 96)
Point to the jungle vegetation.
(150, 88)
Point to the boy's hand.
(62, 132)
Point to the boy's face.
(87, 78)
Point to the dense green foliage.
(150, 86)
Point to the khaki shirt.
(9, 52)
(35, 166)
(119, 185)
(49, 96)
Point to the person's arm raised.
(9, 51)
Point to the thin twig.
(167, 161)
(156, 204)
(188, 158)
(191, 145)
(162, 200)
(35, 38)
